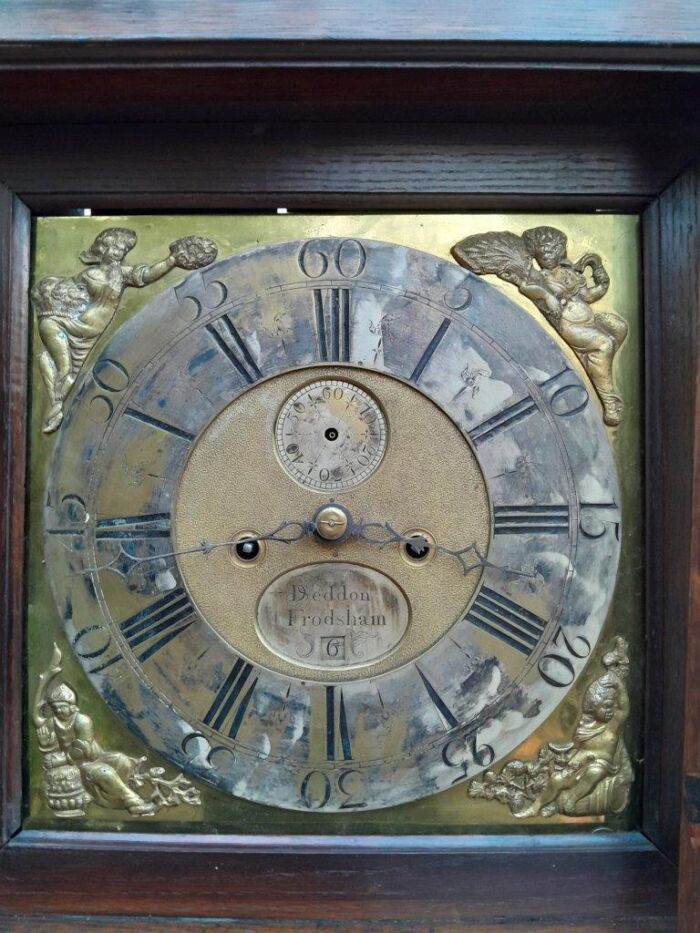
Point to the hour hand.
(335, 523)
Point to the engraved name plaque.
(333, 615)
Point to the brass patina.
(612, 238)
(589, 775)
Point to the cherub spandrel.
(591, 773)
(563, 291)
(74, 311)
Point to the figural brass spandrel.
(563, 291)
(589, 775)
(74, 311)
(78, 771)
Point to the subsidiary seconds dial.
(331, 434)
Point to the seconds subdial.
(331, 434)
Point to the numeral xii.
(332, 321)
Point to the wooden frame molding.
(249, 120)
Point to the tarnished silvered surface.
(615, 240)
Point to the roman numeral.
(232, 699)
(134, 527)
(504, 419)
(333, 340)
(530, 519)
(232, 345)
(446, 713)
(430, 350)
(159, 623)
(157, 423)
(506, 620)
(340, 734)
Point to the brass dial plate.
(477, 691)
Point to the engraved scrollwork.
(562, 291)
(74, 311)
(78, 771)
(589, 775)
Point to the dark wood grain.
(93, 924)
(289, 91)
(679, 209)
(672, 282)
(377, 106)
(529, 885)
(346, 166)
(14, 278)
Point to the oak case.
(632, 881)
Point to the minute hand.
(381, 534)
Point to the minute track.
(215, 677)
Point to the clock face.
(332, 524)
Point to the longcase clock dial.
(332, 524)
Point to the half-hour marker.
(506, 620)
(530, 519)
(332, 305)
(234, 347)
(504, 419)
(167, 617)
(337, 734)
(430, 350)
(134, 527)
(232, 699)
(157, 423)
(445, 712)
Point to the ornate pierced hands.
(331, 523)
(335, 524)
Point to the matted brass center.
(233, 479)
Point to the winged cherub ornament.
(563, 291)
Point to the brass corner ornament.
(73, 312)
(78, 771)
(591, 774)
(562, 291)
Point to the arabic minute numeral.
(465, 750)
(112, 377)
(348, 259)
(319, 787)
(596, 519)
(567, 399)
(556, 669)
